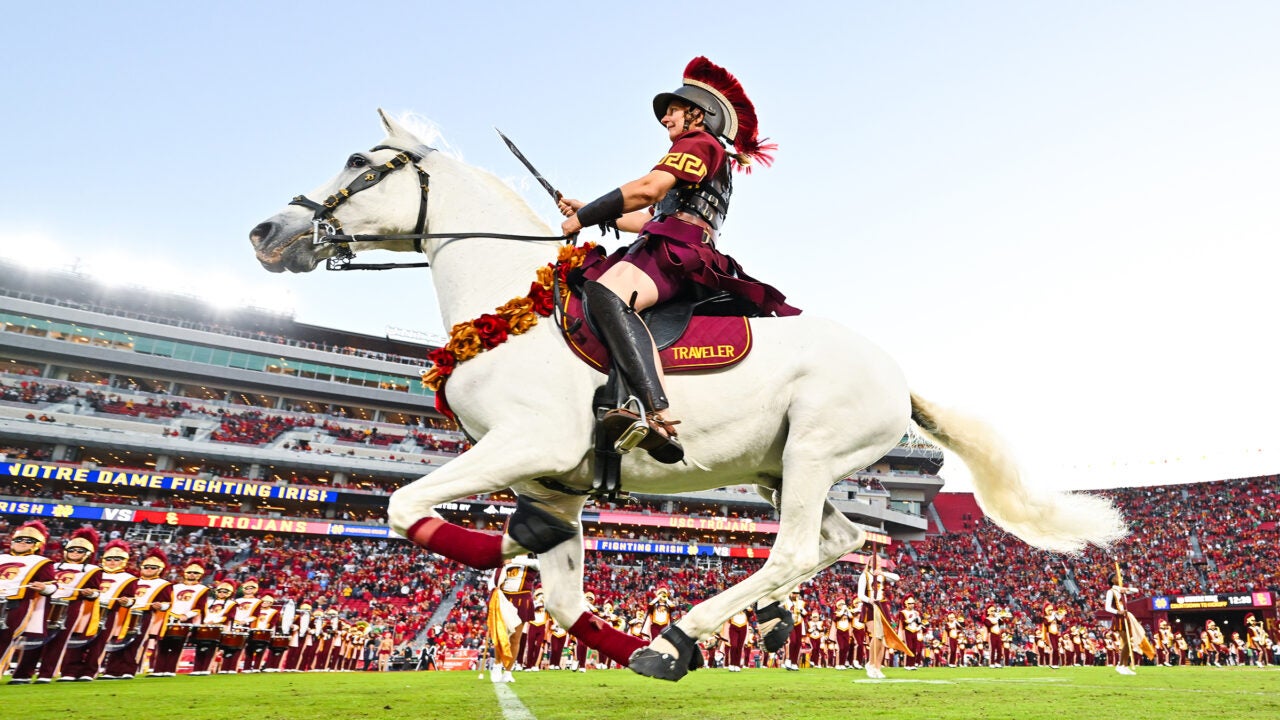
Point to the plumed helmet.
(85, 537)
(33, 529)
(120, 545)
(196, 565)
(728, 112)
(155, 553)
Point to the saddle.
(702, 329)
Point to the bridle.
(326, 229)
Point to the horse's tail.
(1048, 519)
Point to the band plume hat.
(85, 537)
(33, 529)
(197, 564)
(118, 545)
(727, 110)
(157, 554)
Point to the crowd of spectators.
(1198, 538)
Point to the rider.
(677, 208)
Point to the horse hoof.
(654, 664)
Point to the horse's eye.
(357, 161)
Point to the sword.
(555, 194)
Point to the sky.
(1060, 217)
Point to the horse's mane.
(430, 134)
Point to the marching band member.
(217, 618)
(860, 647)
(328, 637)
(842, 634)
(302, 642)
(265, 622)
(1124, 624)
(27, 580)
(996, 629)
(636, 626)
(1051, 632)
(1258, 641)
(1212, 644)
(736, 631)
(355, 638)
(954, 625)
(557, 638)
(913, 632)
(73, 607)
(150, 610)
(1068, 647)
(1180, 642)
(1167, 642)
(535, 633)
(658, 617)
(242, 619)
(115, 596)
(874, 593)
(816, 639)
(341, 645)
(1237, 649)
(284, 635)
(510, 607)
(190, 597)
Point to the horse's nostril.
(263, 230)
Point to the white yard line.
(512, 708)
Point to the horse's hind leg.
(497, 462)
(840, 536)
(797, 554)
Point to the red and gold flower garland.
(468, 339)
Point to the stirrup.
(643, 430)
(637, 425)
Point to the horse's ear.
(392, 127)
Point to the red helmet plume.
(85, 537)
(118, 545)
(158, 554)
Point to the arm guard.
(604, 209)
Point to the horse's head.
(379, 192)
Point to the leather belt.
(709, 233)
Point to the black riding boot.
(630, 346)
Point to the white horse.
(812, 403)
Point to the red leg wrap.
(612, 644)
(470, 547)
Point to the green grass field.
(1021, 693)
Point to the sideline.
(512, 708)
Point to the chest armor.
(708, 199)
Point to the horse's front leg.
(562, 568)
(500, 460)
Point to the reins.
(327, 229)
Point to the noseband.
(327, 229)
